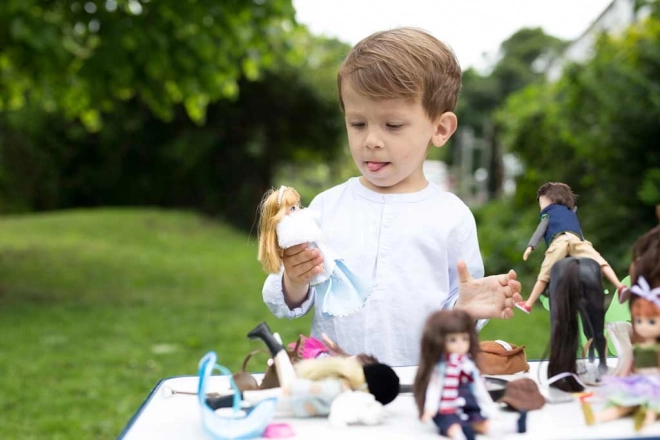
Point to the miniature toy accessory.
(500, 357)
(236, 422)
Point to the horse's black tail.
(592, 309)
(565, 298)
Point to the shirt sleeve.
(540, 231)
(273, 295)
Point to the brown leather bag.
(500, 357)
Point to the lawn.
(96, 306)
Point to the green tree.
(522, 58)
(82, 58)
(596, 129)
(152, 146)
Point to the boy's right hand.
(527, 252)
(300, 266)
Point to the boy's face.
(544, 202)
(389, 140)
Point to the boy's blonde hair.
(404, 63)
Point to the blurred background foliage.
(200, 106)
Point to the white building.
(614, 19)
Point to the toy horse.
(576, 288)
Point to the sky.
(473, 28)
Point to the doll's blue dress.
(339, 291)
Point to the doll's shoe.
(624, 293)
(524, 307)
(262, 331)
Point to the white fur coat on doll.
(338, 290)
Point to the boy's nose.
(373, 140)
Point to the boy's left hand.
(488, 297)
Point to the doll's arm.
(540, 231)
(433, 392)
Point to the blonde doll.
(316, 383)
(639, 390)
(448, 387)
(284, 223)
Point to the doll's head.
(645, 277)
(443, 333)
(276, 204)
(555, 192)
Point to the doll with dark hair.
(448, 387)
(638, 391)
(560, 228)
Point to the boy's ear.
(445, 126)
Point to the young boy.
(416, 243)
(561, 230)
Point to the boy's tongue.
(375, 166)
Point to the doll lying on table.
(284, 223)
(638, 391)
(339, 387)
(448, 388)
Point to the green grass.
(96, 306)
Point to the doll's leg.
(449, 425)
(538, 289)
(285, 372)
(283, 396)
(498, 428)
(613, 413)
(650, 417)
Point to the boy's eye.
(651, 321)
(357, 124)
(394, 126)
(452, 339)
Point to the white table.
(178, 417)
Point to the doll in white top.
(283, 224)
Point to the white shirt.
(407, 245)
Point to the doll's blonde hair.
(335, 367)
(273, 207)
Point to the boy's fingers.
(308, 270)
(302, 257)
(294, 250)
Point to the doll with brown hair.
(561, 230)
(284, 223)
(448, 387)
(638, 391)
